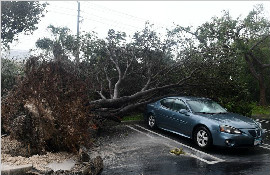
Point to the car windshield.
(205, 106)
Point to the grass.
(260, 110)
(133, 117)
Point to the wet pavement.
(132, 148)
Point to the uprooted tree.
(59, 104)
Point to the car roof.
(188, 98)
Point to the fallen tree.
(60, 104)
(50, 109)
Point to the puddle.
(66, 165)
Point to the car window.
(179, 104)
(205, 106)
(167, 103)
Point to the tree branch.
(122, 100)
(109, 82)
(251, 67)
(263, 66)
(259, 42)
(101, 95)
(148, 81)
(128, 66)
(117, 84)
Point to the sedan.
(204, 121)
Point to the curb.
(262, 116)
(15, 170)
(132, 122)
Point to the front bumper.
(246, 139)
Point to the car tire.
(151, 121)
(203, 137)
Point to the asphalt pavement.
(132, 148)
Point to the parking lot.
(131, 148)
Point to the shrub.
(237, 106)
(10, 71)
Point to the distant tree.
(62, 44)
(19, 16)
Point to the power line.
(115, 11)
(98, 7)
(113, 21)
(78, 33)
(58, 7)
(110, 10)
(98, 21)
(107, 19)
(91, 19)
(78, 19)
(61, 13)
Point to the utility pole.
(78, 33)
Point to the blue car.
(204, 121)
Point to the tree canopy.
(234, 40)
(19, 16)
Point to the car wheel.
(203, 137)
(152, 121)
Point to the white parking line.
(264, 147)
(217, 160)
(266, 131)
(262, 121)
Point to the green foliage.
(10, 71)
(133, 117)
(237, 106)
(234, 50)
(259, 110)
(44, 43)
(19, 16)
(62, 44)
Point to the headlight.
(229, 129)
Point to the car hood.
(232, 119)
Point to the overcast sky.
(130, 16)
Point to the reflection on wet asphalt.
(127, 151)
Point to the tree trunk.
(116, 90)
(259, 77)
(262, 101)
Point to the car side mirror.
(184, 111)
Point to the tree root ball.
(49, 109)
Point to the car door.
(182, 121)
(164, 113)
